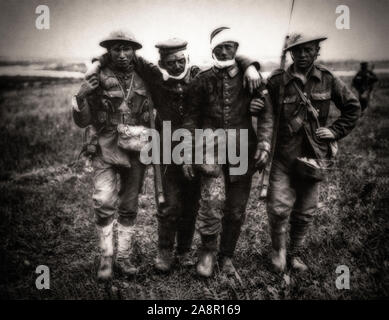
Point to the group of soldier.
(122, 88)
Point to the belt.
(115, 118)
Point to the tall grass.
(47, 218)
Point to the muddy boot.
(278, 254)
(227, 266)
(123, 257)
(164, 260)
(207, 258)
(298, 264)
(298, 231)
(166, 234)
(185, 259)
(206, 263)
(228, 241)
(105, 233)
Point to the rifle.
(332, 144)
(266, 172)
(157, 167)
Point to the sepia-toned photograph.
(219, 150)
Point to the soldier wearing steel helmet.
(304, 139)
(169, 83)
(116, 96)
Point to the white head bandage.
(224, 35)
(166, 76)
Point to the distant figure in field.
(364, 82)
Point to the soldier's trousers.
(222, 210)
(290, 200)
(364, 100)
(116, 189)
(177, 216)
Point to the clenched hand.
(261, 157)
(256, 106)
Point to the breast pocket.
(321, 102)
(290, 106)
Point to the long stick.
(266, 171)
(157, 167)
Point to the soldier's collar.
(315, 72)
(232, 70)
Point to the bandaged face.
(121, 54)
(225, 51)
(174, 63)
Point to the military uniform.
(120, 99)
(364, 81)
(289, 196)
(217, 100)
(177, 216)
(101, 110)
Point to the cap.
(172, 45)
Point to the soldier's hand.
(188, 170)
(88, 85)
(252, 79)
(325, 134)
(256, 106)
(146, 117)
(93, 69)
(261, 157)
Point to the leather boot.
(298, 264)
(298, 232)
(185, 233)
(229, 237)
(164, 259)
(207, 258)
(227, 266)
(123, 257)
(278, 255)
(105, 233)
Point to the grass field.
(46, 217)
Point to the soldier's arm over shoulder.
(103, 59)
(349, 106)
(194, 99)
(244, 62)
(273, 84)
(194, 71)
(147, 70)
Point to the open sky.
(77, 26)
